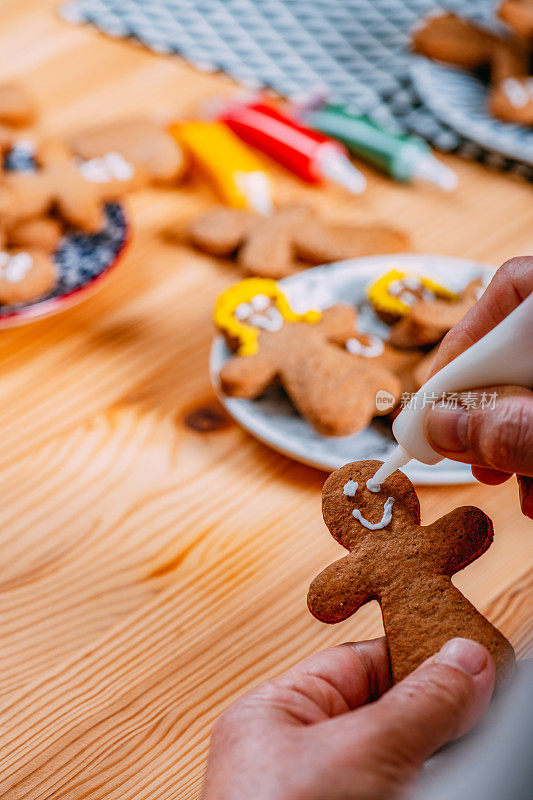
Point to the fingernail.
(463, 654)
(447, 428)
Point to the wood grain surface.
(155, 558)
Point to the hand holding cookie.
(406, 567)
(335, 727)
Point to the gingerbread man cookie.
(421, 311)
(449, 38)
(271, 247)
(75, 189)
(406, 567)
(25, 275)
(332, 388)
(140, 142)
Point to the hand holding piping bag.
(489, 351)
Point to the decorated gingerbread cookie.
(406, 567)
(140, 142)
(75, 190)
(275, 246)
(308, 353)
(421, 311)
(511, 95)
(25, 275)
(448, 38)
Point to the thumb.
(438, 702)
(496, 431)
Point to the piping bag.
(503, 356)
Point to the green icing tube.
(402, 156)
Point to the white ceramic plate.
(459, 99)
(272, 419)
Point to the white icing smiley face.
(14, 269)
(350, 488)
(260, 312)
(111, 166)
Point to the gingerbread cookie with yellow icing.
(25, 275)
(420, 310)
(308, 353)
(403, 565)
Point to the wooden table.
(154, 557)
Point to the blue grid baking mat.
(357, 48)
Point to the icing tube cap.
(428, 168)
(335, 166)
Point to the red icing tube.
(305, 152)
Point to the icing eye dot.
(350, 488)
(243, 311)
(260, 302)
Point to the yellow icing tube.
(234, 171)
